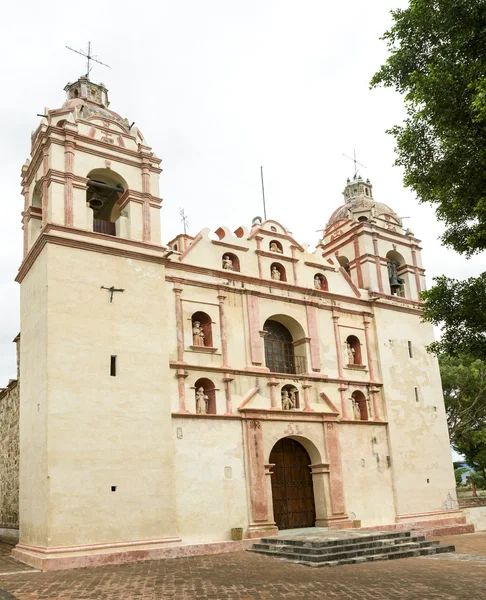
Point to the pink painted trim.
(369, 354)
(351, 283)
(254, 327)
(179, 324)
(87, 547)
(377, 262)
(416, 270)
(307, 407)
(336, 486)
(181, 375)
(258, 486)
(331, 405)
(452, 512)
(273, 396)
(311, 313)
(337, 342)
(227, 392)
(222, 329)
(146, 221)
(196, 241)
(344, 402)
(248, 397)
(358, 264)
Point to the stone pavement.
(249, 576)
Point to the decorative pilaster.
(25, 227)
(337, 340)
(259, 240)
(69, 180)
(311, 313)
(146, 224)
(273, 393)
(222, 327)
(369, 354)
(337, 517)
(294, 265)
(357, 261)
(344, 401)
(179, 325)
(377, 262)
(374, 391)
(181, 375)
(254, 327)
(417, 274)
(306, 387)
(227, 379)
(45, 168)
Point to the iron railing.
(100, 226)
(280, 358)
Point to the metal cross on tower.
(355, 163)
(90, 58)
(184, 220)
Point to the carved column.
(259, 258)
(417, 274)
(181, 375)
(357, 261)
(377, 262)
(222, 327)
(306, 386)
(179, 326)
(227, 379)
(273, 393)
(294, 265)
(337, 340)
(260, 514)
(311, 313)
(69, 179)
(337, 517)
(45, 168)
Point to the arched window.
(37, 195)
(279, 348)
(277, 272)
(202, 334)
(290, 397)
(363, 219)
(320, 282)
(344, 262)
(396, 263)
(360, 406)
(275, 246)
(205, 397)
(105, 187)
(174, 247)
(230, 262)
(353, 348)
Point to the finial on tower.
(90, 58)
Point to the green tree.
(437, 60)
(464, 387)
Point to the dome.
(360, 206)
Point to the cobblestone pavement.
(248, 576)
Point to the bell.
(95, 201)
(395, 282)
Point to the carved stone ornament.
(275, 274)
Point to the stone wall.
(9, 453)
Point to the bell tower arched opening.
(105, 188)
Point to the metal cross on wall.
(90, 57)
(112, 289)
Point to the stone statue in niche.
(288, 400)
(293, 402)
(227, 263)
(356, 411)
(197, 334)
(275, 274)
(275, 248)
(351, 353)
(201, 401)
(318, 282)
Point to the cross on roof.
(90, 58)
(355, 163)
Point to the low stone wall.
(472, 502)
(9, 456)
(476, 516)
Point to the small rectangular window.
(410, 352)
(416, 395)
(113, 366)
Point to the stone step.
(360, 537)
(362, 558)
(346, 554)
(324, 550)
(445, 530)
(424, 524)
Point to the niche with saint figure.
(230, 262)
(360, 406)
(320, 282)
(202, 334)
(290, 397)
(205, 396)
(277, 272)
(353, 349)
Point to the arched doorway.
(292, 489)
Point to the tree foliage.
(460, 308)
(438, 61)
(464, 387)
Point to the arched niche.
(320, 282)
(397, 279)
(37, 195)
(363, 219)
(205, 396)
(344, 262)
(353, 348)
(230, 262)
(289, 395)
(105, 187)
(360, 406)
(275, 246)
(202, 331)
(277, 272)
(285, 345)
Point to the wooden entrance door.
(292, 491)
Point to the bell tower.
(95, 421)
(369, 242)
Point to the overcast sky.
(218, 88)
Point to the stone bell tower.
(368, 240)
(95, 424)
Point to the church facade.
(175, 395)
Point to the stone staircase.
(346, 547)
